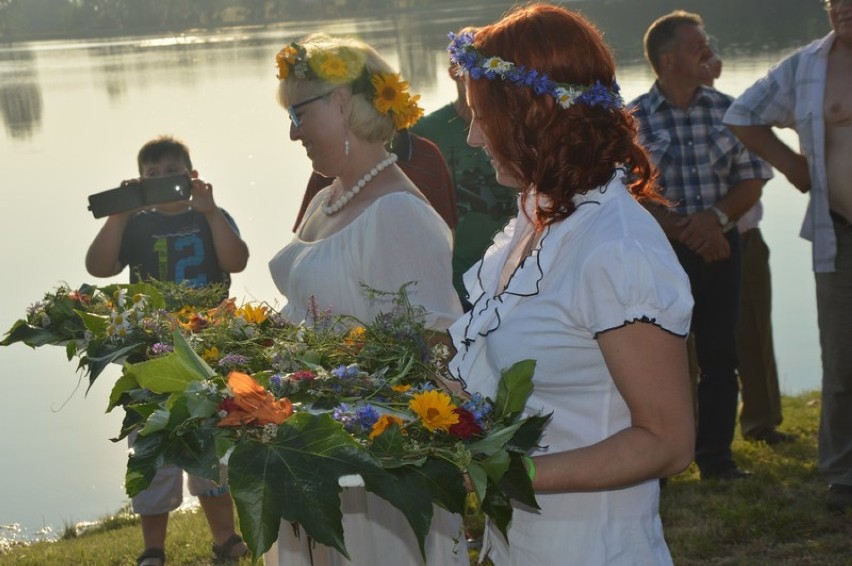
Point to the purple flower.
(344, 416)
(345, 372)
(276, 381)
(479, 407)
(160, 349)
(367, 416)
(233, 360)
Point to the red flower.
(466, 427)
(303, 375)
(197, 323)
(79, 297)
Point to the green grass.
(776, 517)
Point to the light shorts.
(165, 494)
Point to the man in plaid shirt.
(711, 180)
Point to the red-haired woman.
(584, 282)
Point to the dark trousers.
(716, 291)
(761, 408)
(834, 315)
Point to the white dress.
(397, 239)
(606, 265)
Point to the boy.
(197, 242)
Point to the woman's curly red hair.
(555, 151)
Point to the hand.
(701, 233)
(202, 196)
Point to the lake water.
(76, 112)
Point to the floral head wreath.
(340, 66)
(474, 64)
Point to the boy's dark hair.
(160, 147)
(662, 33)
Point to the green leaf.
(198, 400)
(515, 386)
(516, 483)
(415, 488)
(32, 336)
(96, 324)
(528, 434)
(389, 449)
(142, 463)
(173, 372)
(123, 384)
(192, 450)
(294, 478)
(156, 421)
(496, 440)
(479, 478)
(498, 507)
(496, 465)
(108, 354)
(70, 349)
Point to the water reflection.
(20, 94)
(61, 102)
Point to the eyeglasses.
(830, 5)
(291, 110)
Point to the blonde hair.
(365, 121)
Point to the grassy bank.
(776, 517)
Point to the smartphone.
(146, 192)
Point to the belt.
(840, 219)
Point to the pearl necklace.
(330, 209)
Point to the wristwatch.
(724, 221)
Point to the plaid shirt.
(791, 96)
(698, 157)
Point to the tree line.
(62, 18)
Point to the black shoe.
(771, 436)
(725, 471)
(839, 498)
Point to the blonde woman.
(370, 226)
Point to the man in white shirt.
(809, 91)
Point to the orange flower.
(384, 423)
(252, 404)
(400, 388)
(226, 309)
(252, 314)
(355, 338)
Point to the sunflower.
(391, 93)
(333, 67)
(407, 118)
(435, 409)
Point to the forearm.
(231, 251)
(628, 457)
(763, 141)
(740, 198)
(102, 255)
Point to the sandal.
(151, 557)
(232, 549)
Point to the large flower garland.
(293, 408)
(341, 66)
